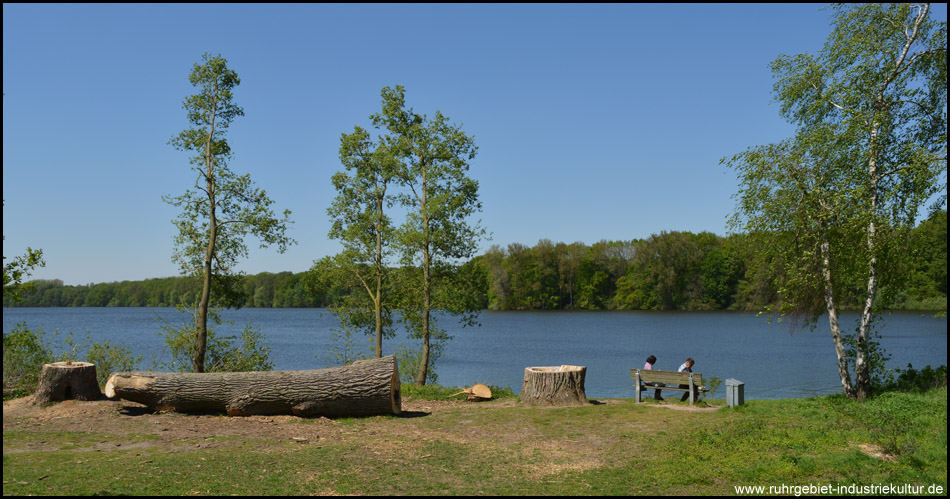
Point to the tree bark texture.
(207, 269)
(562, 386)
(365, 388)
(67, 380)
(833, 320)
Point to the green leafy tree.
(548, 283)
(343, 282)
(569, 258)
(432, 164)
(224, 353)
(593, 281)
(833, 204)
(927, 280)
(665, 273)
(18, 269)
(720, 274)
(525, 277)
(361, 224)
(224, 207)
(24, 353)
(21, 267)
(499, 287)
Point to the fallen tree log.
(562, 386)
(365, 388)
(65, 381)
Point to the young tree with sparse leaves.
(224, 207)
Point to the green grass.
(504, 448)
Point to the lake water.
(771, 360)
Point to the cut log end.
(109, 390)
(127, 382)
(477, 393)
(481, 391)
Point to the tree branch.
(910, 41)
(820, 90)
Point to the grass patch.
(437, 392)
(505, 448)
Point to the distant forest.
(668, 271)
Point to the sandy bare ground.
(115, 418)
(119, 424)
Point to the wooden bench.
(671, 379)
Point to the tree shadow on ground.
(413, 414)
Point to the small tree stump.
(562, 386)
(67, 380)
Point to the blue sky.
(592, 121)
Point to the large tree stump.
(365, 388)
(67, 380)
(554, 386)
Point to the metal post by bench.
(637, 376)
(734, 392)
(692, 390)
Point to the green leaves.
(361, 223)
(20, 268)
(870, 108)
(224, 353)
(833, 204)
(225, 207)
(427, 159)
(211, 112)
(24, 353)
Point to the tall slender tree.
(433, 160)
(224, 207)
(837, 199)
(362, 225)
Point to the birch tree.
(833, 203)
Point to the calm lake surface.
(772, 360)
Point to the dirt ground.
(113, 419)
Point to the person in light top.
(649, 367)
(687, 367)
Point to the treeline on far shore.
(668, 271)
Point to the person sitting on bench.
(687, 367)
(649, 367)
